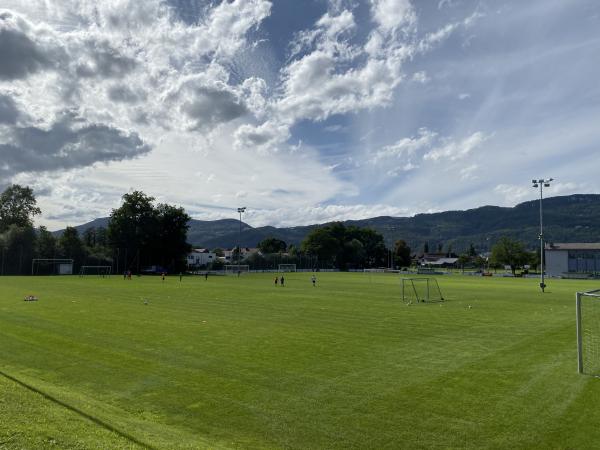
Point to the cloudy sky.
(302, 110)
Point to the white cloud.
(567, 188)
(453, 150)
(421, 77)
(513, 194)
(445, 3)
(429, 146)
(309, 215)
(229, 22)
(393, 14)
(328, 75)
(267, 136)
(321, 82)
(469, 172)
(407, 147)
(409, 166)
(335, 128)
(435, 38)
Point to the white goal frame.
(65, 265)
(587, 310)
(429, 291)
(107, 271)
(235, 269)
(287, 268)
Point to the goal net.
(51, 266)
(421, 290)
(588, 332)
(287, 267)
(237, 269)
(101, 271)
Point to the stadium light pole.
(541, 183)
(240, 211)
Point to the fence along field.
(234, 362)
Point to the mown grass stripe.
(77, 411)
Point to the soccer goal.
(588, 332)
(237, 269)
(421, 290)
(287, 267)
(51, 266)
(101, 271)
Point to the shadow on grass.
(83, 414)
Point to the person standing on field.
(314, 280)
(282, 280)
(276, 280)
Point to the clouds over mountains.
(344, 106)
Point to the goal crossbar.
(57, 262)
(237, 269)
(287, 267)
(99, 270)
(421, 290)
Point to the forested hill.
(573, 218)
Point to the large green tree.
(131, 228)
(17, 207)
(144, 234)
(17, 250)
(272, 245)
(321, 243)
(89, 237)
(170, 243)
(45, 245)
(509, 252)
(402, 253)
(345, 247)
(71, 246)
(375, 253)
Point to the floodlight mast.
(542, 183)
(240, 211)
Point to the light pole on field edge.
(240, 211)
(542, 183)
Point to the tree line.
(141, 233)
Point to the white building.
(229, 255)
(200, 257)
(573, 258)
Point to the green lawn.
(239, 363)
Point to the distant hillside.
(101, 222)
(573, 218)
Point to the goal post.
(421, 290)
(287, 267)
(237, 269)
(51, 266)
(101, 271)
(587, 310)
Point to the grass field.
(239, 363)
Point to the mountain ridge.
(571, 218)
